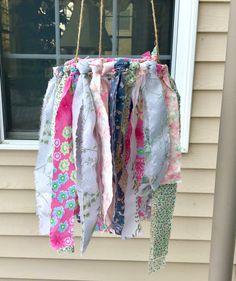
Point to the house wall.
(24, 255)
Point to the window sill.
(28, 145)
(19, 145)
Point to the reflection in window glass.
(28, 26)
(135, 26)
(90, 28)
(25, 81)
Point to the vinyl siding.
(24, 255)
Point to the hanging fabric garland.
(109, 152)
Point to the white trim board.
(19, 145)
(183, 60)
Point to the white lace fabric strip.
(156, 130)
(86, 154)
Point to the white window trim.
(183, 60)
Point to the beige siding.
(24, 255)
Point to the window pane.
(25, 83)
(28, 26)
(135, 23)
(69, 21)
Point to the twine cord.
(155, 28)
(100, 27)
(79, 29)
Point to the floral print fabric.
(163, 203)
(132, 225)
(86, 154)
(156, 137)
(100, 88)
(156, 131)
(43, 169)
(173, 173)
(64, 201)
(119, 113)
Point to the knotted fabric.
(156, 131)
(100, 88)
(86, 154)
(156, 137)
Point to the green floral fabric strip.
(163, 203)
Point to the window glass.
(135, 26)
(31, 43)
(28, 26)
(25, 83)
(90, 27)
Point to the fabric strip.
(157, 140)
(43, 168)
(63, 203)
(162, 213)
(173, 173)
(84, 124)
(131, 218)
(100, 88)
(118, 116)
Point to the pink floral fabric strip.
(99, 89)
(132, 225)
(64, 201)
(139, 133)
(173, 173)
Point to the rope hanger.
(155, 29)
(79, 29)
(100, 28)
(101, 24)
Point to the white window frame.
(182, 70)
(183, 60)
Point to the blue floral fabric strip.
(116, 111)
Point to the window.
(36, 35)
